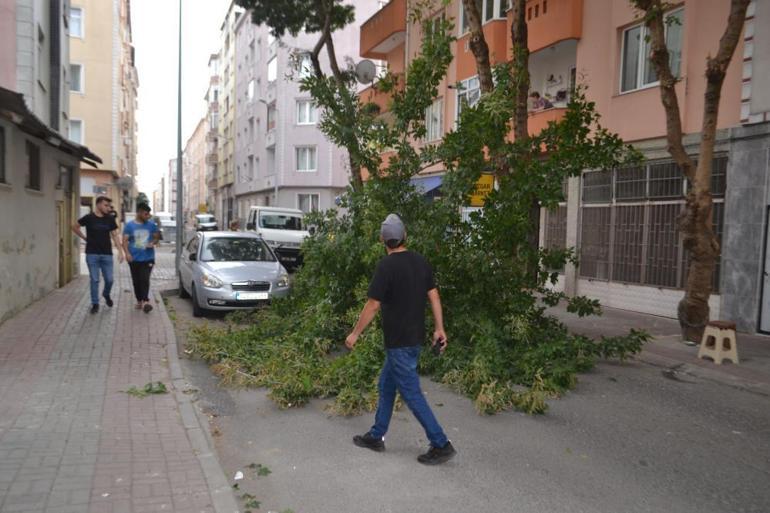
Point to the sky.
(154, 26)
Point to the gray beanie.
(392, 228)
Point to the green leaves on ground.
(150, 388)
(260, 469)
(504, 350)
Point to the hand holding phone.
(436, 347)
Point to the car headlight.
(283, 281)
(211, 281)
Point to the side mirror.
(250, 226)
(193, 257)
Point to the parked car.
(283, 229)
(205, 223)
(230, 271)
(167, 226)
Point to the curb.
(219, 487)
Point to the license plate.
(250, 296)
(289, 259)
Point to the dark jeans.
(97, 263)
(400, 373)
(140, 275)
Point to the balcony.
(552, 21)
(384, 31)
(380, 98)
(270, 138)
(212, 159)
(497, 35)
(539, 119)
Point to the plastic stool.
(718, 342)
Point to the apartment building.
(623, 222)
(281, 156)
(103, 98)
(38, 163)
(169, 188)
(212, 136)
(195, 172)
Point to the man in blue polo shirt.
(140, 237)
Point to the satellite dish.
(366, 71)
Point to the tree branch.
(478, 46)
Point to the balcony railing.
(380, 98)
(539, 119)
(384, 31)
(552, 21)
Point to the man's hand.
(350, 342)
(120, 257)
(440, 335)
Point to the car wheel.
(197, 310)
(182, 292)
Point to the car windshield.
(280, 221)
(205, 219)
(236, 249)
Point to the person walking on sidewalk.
(100, 226)
(140, 237)
(402, 284)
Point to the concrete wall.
(29, 266)
(8, 44)
(746, 201)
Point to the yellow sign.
(481, 191)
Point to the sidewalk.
(667, 349)
(71, 439)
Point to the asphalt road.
(629, 438)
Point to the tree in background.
(695, 223)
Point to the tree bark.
(695, 222)
(520, 44)
(478, 46)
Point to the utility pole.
(179, 216)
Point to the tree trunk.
(696, 221)
(520, 44)
(478, 46)
(325, 39)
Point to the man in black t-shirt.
(100, 226)
(402, 285)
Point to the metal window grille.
(628, 232)
(666, 181)
(719, 176)
(631, 183)
(555, 236)
(663, 246)
(595, 243)
(597, 186)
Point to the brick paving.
(71, 439)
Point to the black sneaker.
(367, 441)
(436, 455)
(108, 300)
(94, 309)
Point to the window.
(468, 94)
(76, 78)
(76, 131)
(272, 69)
(3, 177)
(250, 91)
(305, 66)
(434, 121)
(272, 114)
(308, 202)
(306, 159)
(307, 114)
(42, 58)
(76, 22)
(488, 10)
(637, 70)
(33, 166)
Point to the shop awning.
(426, 184)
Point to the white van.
(283, 229)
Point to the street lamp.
(179, 196)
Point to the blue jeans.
(400, 373)
(95, 264)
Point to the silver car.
(230, 271)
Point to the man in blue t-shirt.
(140, 237)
